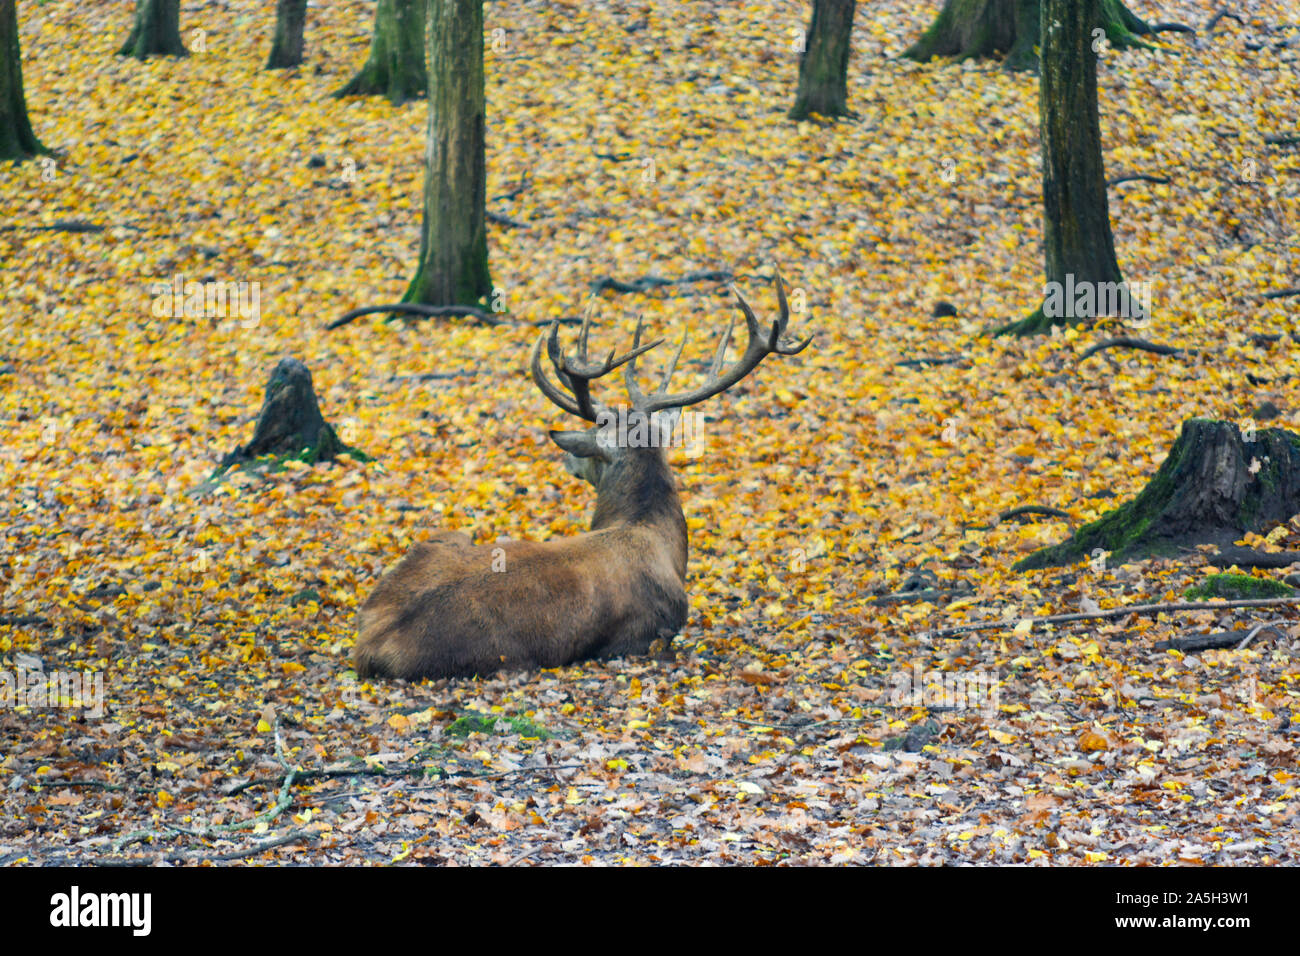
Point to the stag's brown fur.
(444, 612)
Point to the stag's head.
(602, 454)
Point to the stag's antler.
(576, 374)
(762, 343)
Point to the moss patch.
(472, 722)
(1238, 587)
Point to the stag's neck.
(641, 492)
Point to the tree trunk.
(395, 67)
(290, 424)
(287, 45)
(1083, 277)
(17, 141)
(1214, 486)
(453, 268)
(824, 63)
(967, 29)
(157, 30)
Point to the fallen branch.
(253, 849)
(647, 283)
(523, 186)
(1281, 293)
(1129, 343)
(1250, 558)
(24, 620)
(1112, 613)
(1222, 14)
(71, 225)
(930, 360)
(501, 220)
(931, 595)
(414, 308)
(1139, 178)
(1218, 640)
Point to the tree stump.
(290, 425)
(1215, 486)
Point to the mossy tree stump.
(969, 29)
(1215, 486)
(290, 424)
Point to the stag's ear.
(581, 444)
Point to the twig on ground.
(1219, 640)
(930, 360)
(1111, 613)
(501, 220)
(1139, 178)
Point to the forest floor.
(633, 139)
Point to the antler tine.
(783, 321)
(629, 371)
(586, 330)
(716, 365)
(762, 342)
(672, 365)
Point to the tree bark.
(156, 32)
(395, 67)
(17, 141)
(1214, 486)
(824, 63)
(967, 29)
(453, 265)
(1079, 250)
(287, 44)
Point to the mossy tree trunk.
(1215, 486)
(156, 32)
(17, 141)
(824, 63)
(395, 67)
(453, 267)
(287, 44)
(967, 29)
(1079, 251)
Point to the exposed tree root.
(1129, 343)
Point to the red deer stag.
(452, 609)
